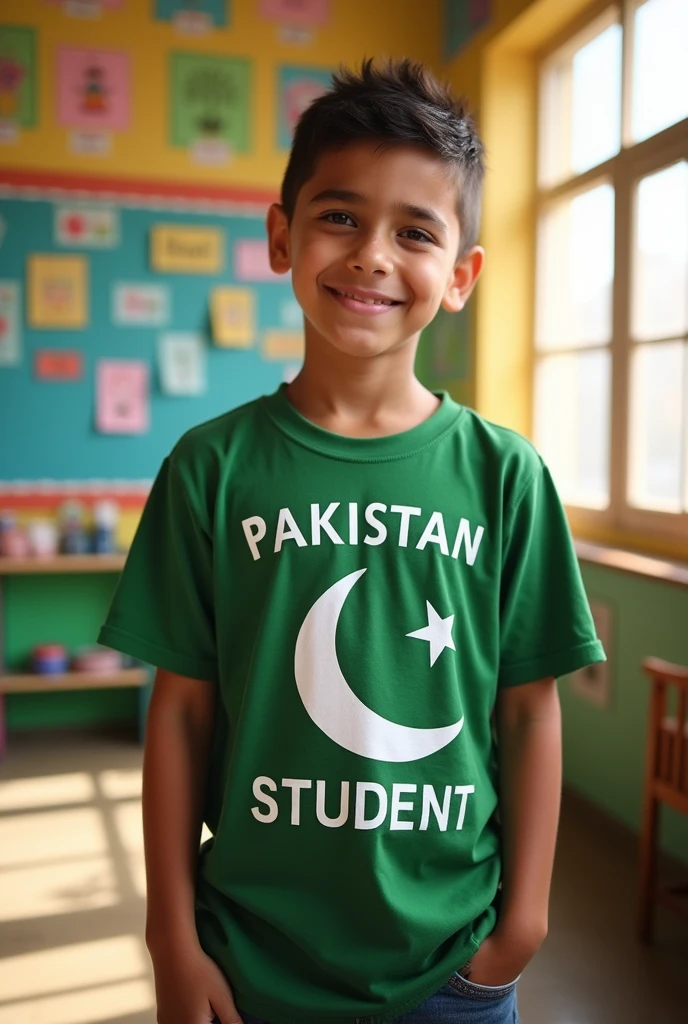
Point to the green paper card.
(210, 100)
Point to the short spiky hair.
(396, 102)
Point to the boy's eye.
(337, 217)
(416, 235)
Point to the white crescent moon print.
(332, 704)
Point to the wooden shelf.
(61, 563)
(28, 683)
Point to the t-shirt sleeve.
(546, 628)
(162, 610)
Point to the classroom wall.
(140, 162)
(350, 30)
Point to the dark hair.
(397, 102)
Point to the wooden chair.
(666, 781)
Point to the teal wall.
(604, 748)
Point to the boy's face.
(373, 246)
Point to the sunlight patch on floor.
(121, 784)
(51, 836)
(46, 791)
(101, 1003)
(66, 968)
(85, 884)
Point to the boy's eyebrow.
(344, 195)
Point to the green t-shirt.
(357, 603)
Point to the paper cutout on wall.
(141, 305)
(462, 19)
(57, 291)
(252, 263)
(192, 17)
(283, 345)
(298, 87)
(18, 92)
(233, 317)
(10, 323)
(87, 227)
(187, 250)
(312, 13)
(58, 364)
(122, 396)
(209, 101)
(182, 363)
(93, 88)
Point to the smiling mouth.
(361, 298)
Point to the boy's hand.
(191, 989)
(500, 959)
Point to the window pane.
(660, 68)
(580, 103)
(596, 101)
(572, 403)
(657, 417)
(575, 271)
(660, 285)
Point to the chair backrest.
(667, 755)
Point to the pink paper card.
(122, 396)
(93, 88)
(251, 261)
(311, 13)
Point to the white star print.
(437, 633)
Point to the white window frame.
(623, 171)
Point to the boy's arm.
(178, 737)
(528, 719)
(529, 734)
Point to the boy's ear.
(463, 279)
(278, 239)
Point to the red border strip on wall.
(45, 180)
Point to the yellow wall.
(497, 71)
(357, 28)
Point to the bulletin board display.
(184, 295)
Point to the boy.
(344, 586)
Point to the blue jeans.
(458, 1002)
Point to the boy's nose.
(371, 258)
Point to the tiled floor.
(71, 904)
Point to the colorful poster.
(182, 364)
(58, 364)
(233, 317)
(209, 100)
(187, 250)
(462, 19)
(298, 87)
(10, 323)
(252, 261)
(18, 92)
(93, 88)
(192, 17)
(87, 227)
(57, 291)
(140, 305)
(283, 345)
(122, 396)
(311, 13)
